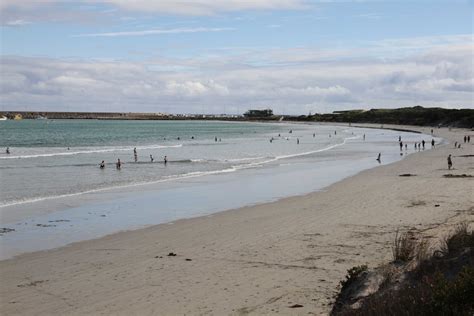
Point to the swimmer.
(102, 165)
(118, 165)
(7, 151)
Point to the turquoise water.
(55, 158)
(90, 133)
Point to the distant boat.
(3, 118)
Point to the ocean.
(53, 191)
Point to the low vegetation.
(418, 281)
(403, 116)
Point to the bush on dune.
(440, 284)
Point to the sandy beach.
(257, 260)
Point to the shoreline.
(90, 216)
(279, 253)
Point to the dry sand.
(258, 260)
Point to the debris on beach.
(295, 306)
(187, 259)
(5, 230)
(407, 175)
(59, 221)
(32, 283)
(45, 225)
(458, 175)
(171, 254)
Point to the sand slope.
(258, 260)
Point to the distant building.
(259, 113)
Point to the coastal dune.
(284, 257)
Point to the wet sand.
(259, 260)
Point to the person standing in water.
(423, 143)
(165, 160)
(118, 165)
(450, 162)
(102, 165)
(151, 158)
(364, 136)
(297, 141)
(432, 143)
(7, 151)
(401, 146)
(135, 155)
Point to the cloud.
(205, 7)
(18, 22)
(180, 7)
(317, 80)
(157, 32)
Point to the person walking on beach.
(151, 158)
(7, 151)
(401, 146)
(465, 139)
(118, 165)
(468, 138)
(423, 143)
(102, 165)
(450, 162)
(432, 143)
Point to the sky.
(228, 56)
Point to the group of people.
(418, 146)
(467, 139)
(118, 164)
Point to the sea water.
(53, 191)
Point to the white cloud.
(18, 22)
(157, 32)
(204, 7)
(315, 81)
(182, 7)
